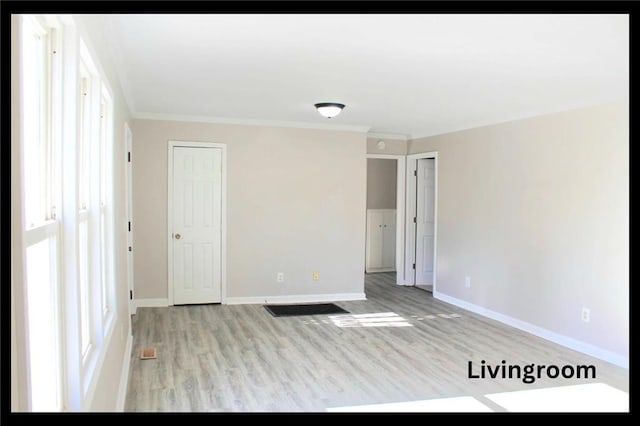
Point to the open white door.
(196, 215)
(425, 221)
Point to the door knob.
(178, 236)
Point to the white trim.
(249, 122)
(108, 121)
(71, 331)
(386, 156)
(128, 167)
(124, 377)
(223, 226)
(169, 225)
(394, 136)
(93, 371)
(14, 342)
(301, 298)
(414, 137)
(151, 303)
(430, 154)
(412, 164)
(400, 212)
(554, 337)
(50, 228)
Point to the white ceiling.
(411, 75)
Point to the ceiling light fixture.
(329, 109)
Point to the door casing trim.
(412, 164)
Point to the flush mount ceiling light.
(329, 109)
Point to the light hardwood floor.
(401, 344)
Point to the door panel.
(381, 240)
(425, 226)
(389, 239)
(197, 202)
(375, 243)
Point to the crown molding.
(250, 122)
(394, 136)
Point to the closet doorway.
(384, 252)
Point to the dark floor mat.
(295, 310)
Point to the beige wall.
(392, 146)
(381, 183)
(295, 204)
(536, 212)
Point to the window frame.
(106, 200)
(48, 226)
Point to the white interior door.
(128, 137)
(425, 229)
(197, 220)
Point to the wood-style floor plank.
(404, 346)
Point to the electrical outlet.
(467, 281)
(586, 314)
(316, 276)
(280, 277)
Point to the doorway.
(422, 213)
(384, 251)
(196, 222)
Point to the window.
(84, 185)
(85, 189)
(106, 171)
(41, 194)
(36, 109)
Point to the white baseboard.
(301, 298)
(565, 341)
(151, 303)
(378, 270)
(124, 377)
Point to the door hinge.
(415, 219)
(130, 249)
(129, 226)
(415, 173)
(130, 294)
(129, 157)
(414, 266)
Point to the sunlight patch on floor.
(382, 319)
(589, 397)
